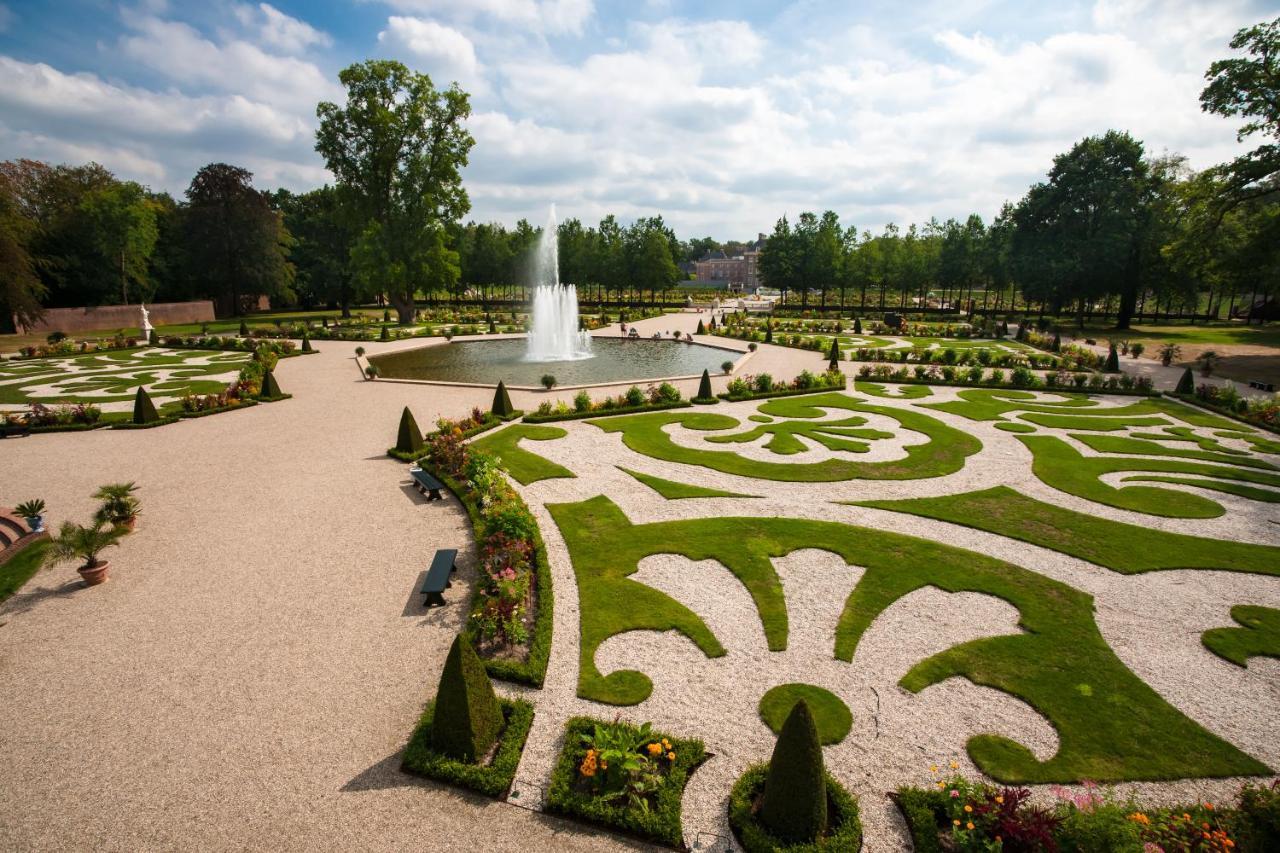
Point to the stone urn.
(96, 574)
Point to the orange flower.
(969, 825)
(941, 784)
(1209, 806)
(954, 765)
(955, 823)
(1000, 800)
(671, 756)
(933, 768)
(968, 808)
(655, 748)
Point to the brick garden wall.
(111, 317)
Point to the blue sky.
(720, 116)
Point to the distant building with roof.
(737, 273)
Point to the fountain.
(555, 334)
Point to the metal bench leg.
(434, 598)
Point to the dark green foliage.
(661, 822)
(494, 778)
(467, 715)
(1113, 361)
(409, 439)
(1258, 818)
(701, 330)
(384, 335)
(153, 338)
(1187, 384)
(1057, 343)
(306, 343)
(144, 411)
(244, 329)
(834, 355)
(493, 328)
(768, 334)
(844, 830)
(386, 315)
(794, 807)
(857, 325)
(704, 387)
(502, 401)
(270, 387)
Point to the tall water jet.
(554, 335)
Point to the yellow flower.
(969, 825)
(968, 808)
(954, 765)
(955, 823)
(666, 744)
(655, 748)
(933, 768)
(1000, 800)
(941, 784)
(671, 756)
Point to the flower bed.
(634, 399)
(493, 778)
(958, 815)
(624, 777)
(756, 387)
(962, 358)
(511, 618)
(1225, 399)
(844, 831)
(472, 425)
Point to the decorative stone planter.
(35, 523)
(95, 575)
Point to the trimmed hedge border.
(605, 413)
(171, 419)
(661, 823)
(1006, 386)
(787, 392)
(846, 824)
(493, 779)
(1219, 410)
(491, 421)
(704, 401)
(533, 670)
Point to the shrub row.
(753, 387)
(477, 422)
(1225, 399)
(634, 399)
(1019, 377)
(954, 356)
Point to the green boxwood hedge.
(661, 823)
(494, 778)
(845, 831)
(604, 413)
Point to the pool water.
(487, 361)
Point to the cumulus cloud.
(279, 30)
(554, 17)
(443, 52)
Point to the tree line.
(1111, 227)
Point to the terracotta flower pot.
(95, 575)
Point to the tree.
(122, 222)
(704, 387)
(21, 289)
(780, 260)
(323, 236)
(397, 149)
(794, 806)
(237, 245)
(467, 718)
(409, 437)
(144, 411)
(1249, 87)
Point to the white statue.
(147, 328)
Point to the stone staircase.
(14, 534)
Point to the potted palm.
(33, 512)
(119, 507)
(77, 542)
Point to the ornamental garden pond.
(844, 590)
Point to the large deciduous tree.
(122, 225)
(237, 245)
(397, 148)
(20, 288)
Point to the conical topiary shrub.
(409, 439)
(701, 330)
(857, 325)
(144, 411)
(493, 327)
(385, 336)
(834, 356)
(386, 315)
(502, 402)
(1113, 361)
(244, 329)
(153, 338)
(704, 387)
(1057, 343)
(270, 387)
(467, 717)
(794, 807)
(768, 333)
(306, 343)
(1187, 384)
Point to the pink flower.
(954, 793)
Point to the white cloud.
(441, 51)
(554, 17)
(279, 30)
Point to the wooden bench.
(426, 484)
(442, 567)
(1262, 386)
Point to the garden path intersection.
(971, 594)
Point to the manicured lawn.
(116, 376)
(1143, 447)
(526, 467)
(991, 404)
(1124, 548)
(1111, 725)
(843, 435)
(21, 568)
(830, 714)
(1060, 466)
(673, 491)
(1114, 424)
(1257, 636)
(898, 392)
(943, 454)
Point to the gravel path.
(250, 674)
